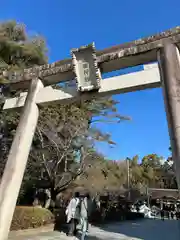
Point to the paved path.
(136, 230)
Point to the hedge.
(31, 217)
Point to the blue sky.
(68, 24)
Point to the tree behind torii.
(18, 51)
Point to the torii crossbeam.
(87, 69)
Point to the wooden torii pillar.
(142, 51)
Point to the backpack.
(85, 210)
(78, 207)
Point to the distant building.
(161, 193)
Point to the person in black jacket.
(162, 214)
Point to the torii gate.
(86, 67)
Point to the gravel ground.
(134, 230)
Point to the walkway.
(136, 230)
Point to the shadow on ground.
(61, 227)
(78, 237)
(146, 229)
(64, 229)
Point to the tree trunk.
(54, 193)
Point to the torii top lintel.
(130, 54)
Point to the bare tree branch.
(67, 148)
(42, 154)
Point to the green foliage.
(17, 49)
(113, 175)
(151, 160)
(31, 217)
(134, 161)
(152, 172)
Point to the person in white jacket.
(85, 212)
(73, 214)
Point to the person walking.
(162, 214)
(73, 214)
(85, 212)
